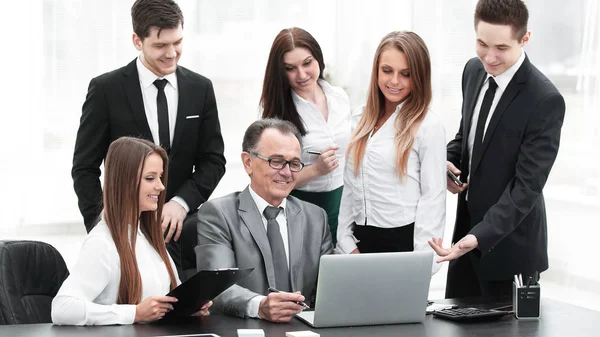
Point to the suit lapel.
(184, 90)
(513, 88)
(131, 84)
(296, 223)
(250, 215)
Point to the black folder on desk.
(203, 287)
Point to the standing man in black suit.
(505, 147)
(155, 99)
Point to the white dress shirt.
(149, 93)
(335, 131)
(502, 81)
(261, 204)
(378, 197)
(89, 295)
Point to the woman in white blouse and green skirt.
(294, 90)
(395, 179)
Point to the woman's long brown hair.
(123, 168)
(276, 99)
(415, 105)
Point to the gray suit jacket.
(231, 234)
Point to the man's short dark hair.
(504, 12)
(149, 14)
(256, 129)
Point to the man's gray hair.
(256, 129)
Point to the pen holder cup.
(526, 301)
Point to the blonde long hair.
(122, 174)
(415, 105)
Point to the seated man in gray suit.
(264, 228)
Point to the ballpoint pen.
(529, 281)
(273, 290)
(314, 152)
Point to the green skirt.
(329, 201)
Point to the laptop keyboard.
(469, 314)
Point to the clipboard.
(203, 287)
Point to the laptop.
(371, 289)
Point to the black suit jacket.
(114, 108)
(505, 202)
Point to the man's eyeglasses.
(280, 163)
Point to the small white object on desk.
(439, 306)
(306, 333)
(250, 333)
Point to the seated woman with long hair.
(394, 196)
(123, 270)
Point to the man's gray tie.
(282, 276)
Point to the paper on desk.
(306, 333)
(438, 306)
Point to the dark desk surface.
(558, 319)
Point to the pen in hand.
(273, 290)
(314, 152)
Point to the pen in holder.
(526, 301)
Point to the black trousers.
(385, 240)
(182, 250)
(463, 281)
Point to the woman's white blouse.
(377, 195)
(325, 133)
(89, 295)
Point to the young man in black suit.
(154, 98)
(505, 147)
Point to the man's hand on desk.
(280, 307)
(465, 245)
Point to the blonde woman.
(394, 197)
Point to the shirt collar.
(147, 77)
(261, 203)
(504, 79)
(327, 89)
(398, 107)
(130, 228)
(138, 231)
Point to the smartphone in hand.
(454, 178)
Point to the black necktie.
(282, 276)
(163, 115)
(483, 115)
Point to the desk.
(558, 319)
